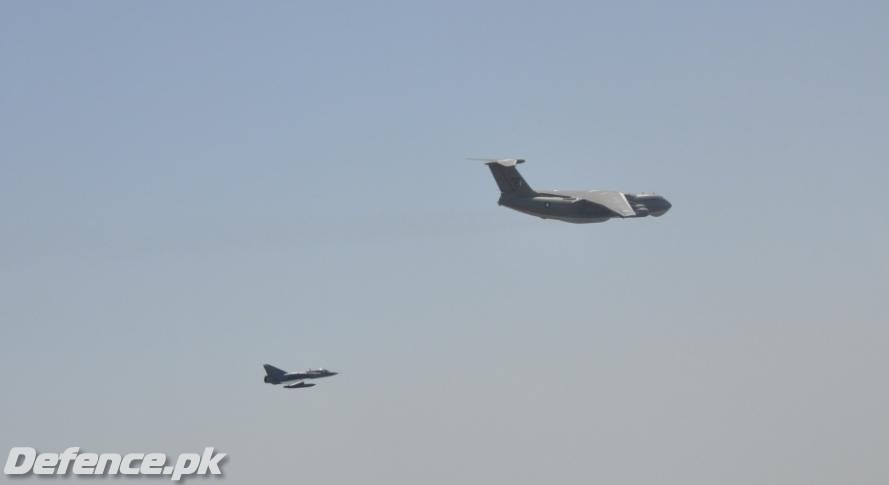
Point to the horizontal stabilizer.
(506, 162)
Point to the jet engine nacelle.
(641, 210)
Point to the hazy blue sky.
(191, 189)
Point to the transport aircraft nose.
(660, 207)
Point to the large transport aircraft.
(574, 206)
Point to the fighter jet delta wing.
(293, 380)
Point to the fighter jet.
(574, 206)
(274, 375)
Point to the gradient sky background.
(192, 189)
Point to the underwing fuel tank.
(299, 384)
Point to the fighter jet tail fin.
(272, 371)
(508, 178)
